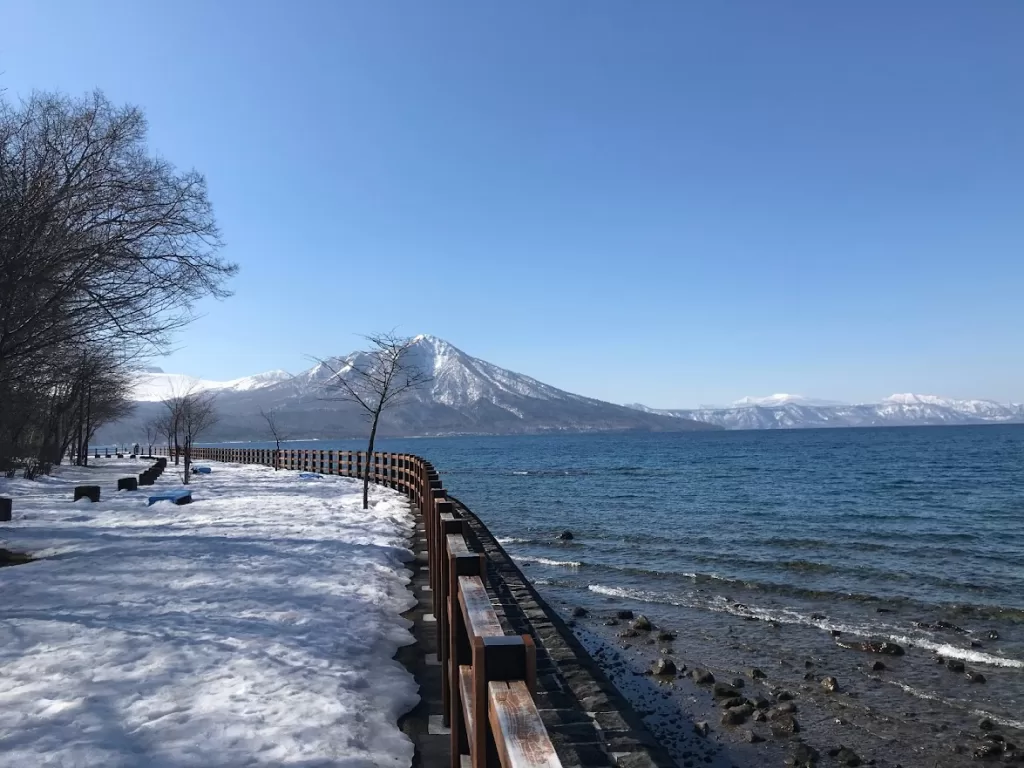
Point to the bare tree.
(172, 423)
(275, 430)
(376, 379)
(153, 431)
(165, 424)
(104, 250)
(198, 415)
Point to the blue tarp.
(177, 497)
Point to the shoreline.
(853, 724)
(859, 714)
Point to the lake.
(913, 535)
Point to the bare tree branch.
(380, 377)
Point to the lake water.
(912, 535)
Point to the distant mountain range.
(470, 396)
(465, 395)
(798, 412)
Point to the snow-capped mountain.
(783, 399)
(795, 412)
(465, 395)
(456, 379)
(152, 384)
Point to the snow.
(254, 627)
(153, 385)
(897, 410)
(782, 399)
(456, 378)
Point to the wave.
(948, 651)
(764, 571)
(808, 566)
(549, 561)
(570, 472)
(917, 693)
(789, 616)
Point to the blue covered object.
(310, 476)
(175, 497)
(201, 470)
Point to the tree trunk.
(188, 456)
(369, 459)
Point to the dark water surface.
(913, 535)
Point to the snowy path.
(254, 627)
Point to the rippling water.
(878, 532)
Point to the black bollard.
(127, 484)
(145, 479)
(5, 509)
(90, 492)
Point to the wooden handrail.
(488, 677)
(522, 740)
(477, 612)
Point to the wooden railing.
(489, 677)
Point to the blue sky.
(665, 202)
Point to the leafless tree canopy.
(188, 415)
(275, 431)
(104, 248)
(375, 380)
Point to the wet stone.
(642, 624)
(830, 684)
(954, 665)
(845, 756)
(988, 751)
(663, 667)
(803, 756)
(724, 691)
(784, 725)
(784, 708)
(703, 676)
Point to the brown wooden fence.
(489, 679)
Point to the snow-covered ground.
(254, 627)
